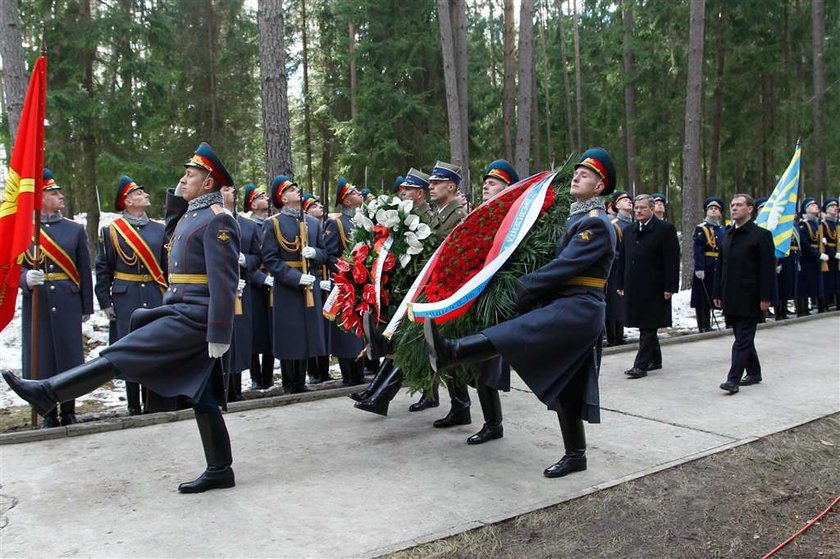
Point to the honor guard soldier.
(660, 205)
(614, 326)
(813, 255)
(787, 274)
(447, 212)
(706, 257)
(319, 367)
(174, 349)
(61, 272)
(130, 275)
(830, 227)
(566, 295)
(294, 260)
(338, 235)
(255, 206)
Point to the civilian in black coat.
(744, 288)
(648, 276)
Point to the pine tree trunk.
(492, 37)
(323, 120)
(549, 147)
(509, 84)
(307, 119)
(14, 66)
(567, 91)
(536, 147)
(632, 154)
(692, 165)
(818, 142)
(578, 87)
(525, 97)
(717, 114)
(351, 30)
(450, 70)
(458, 11)
(273, 81)
(85, 193)
(212, 109)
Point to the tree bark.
(85, 193)
(458, 11)
(525, 96)
(549, 147)
(692, 169)
(353, 80)
(578, 87)
(15, 79)
(450, 69)
(307, 119)
(273, 81)
(567, 92)
(818, 142)
(717, 114)
(536, 147)
(324, 127)
(212, 109)
(632, 154)
(509, 83)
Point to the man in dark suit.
(744, 288)
(648, 276)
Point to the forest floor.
(738, 503)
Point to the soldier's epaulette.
(594, 213)
(701, 224)
(218, 209)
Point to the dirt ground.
(739, 503)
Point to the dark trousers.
(744, 355)
(615, 332)
(649, 352)
(704, 319)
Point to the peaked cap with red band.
(205, 158)
(278, 186)
(49, 181)
(599, 160)
(125, 187)
(342, 189)
(502, 170)
(252, 192)
(307, 201)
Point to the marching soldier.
(338, 232)
(130, 275)
(319, 367)
(255, 206)
(813, 256)
(446, 214)
(660, 205)
(62, 275)
(614, 326)
(706, 257)
(294, 261)
(831, 289)
(174, 349)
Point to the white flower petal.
(404, 260)
(406, 206)
(423, 231)
(412, 221)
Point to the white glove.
(242, 261)
(779, 269)
(110, 314)
(837, 255)
(824, 257)
(824, 241)
(240, 287)
(325, 285)
(85, 317)
(34, 277)
(701, 274)
(217, 350)
(308, 252)
(306, 279)
(798, 267)
(269, 281)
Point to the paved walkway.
(321, 479)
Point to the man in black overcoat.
(744, 288)
(648, 276)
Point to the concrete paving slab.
(321, 479)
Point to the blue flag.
(777, 215)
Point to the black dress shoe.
(423, 403)
(635, 372)
(315, 380)
(255, 385)
(487, 433)
(49, 422)
(654, 367)
(134, 411)
(730, 387)
(212, 478)
(453, 418)
(749, 380)
(568, 464)
(69, 419)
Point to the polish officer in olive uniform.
(130, 275)
(175, 349)
(706, 258)
(298, 328)
(566, 295)
(338, 234)
(62, 276)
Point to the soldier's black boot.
(132, 398)
(381, 375)
(267, 375)
(822, 304)
(459, 412)
(299, 384)
(802, 306)
(51, 419)
(324, 368)
(381, 397)
(42, 395)
(429, 399)
(216, 443)
(444, 353)
(68, 412)
(619, 333)
(357, 368)
(491, 406)
(574, 439)
(312, 369)
(377, 344)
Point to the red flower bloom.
(360, 273)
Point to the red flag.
(22, 194)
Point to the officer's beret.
(307, 201)
(502, 170)
(599, 160)
(342, 189)
(805, 203)
(278, 186)
(713, 201)
(205, 158)
(829, 201)
(658, 196)
(49, 181)
(443, 171)
(252, 192)
(619, 195)
(415, 179)
(125, 187)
